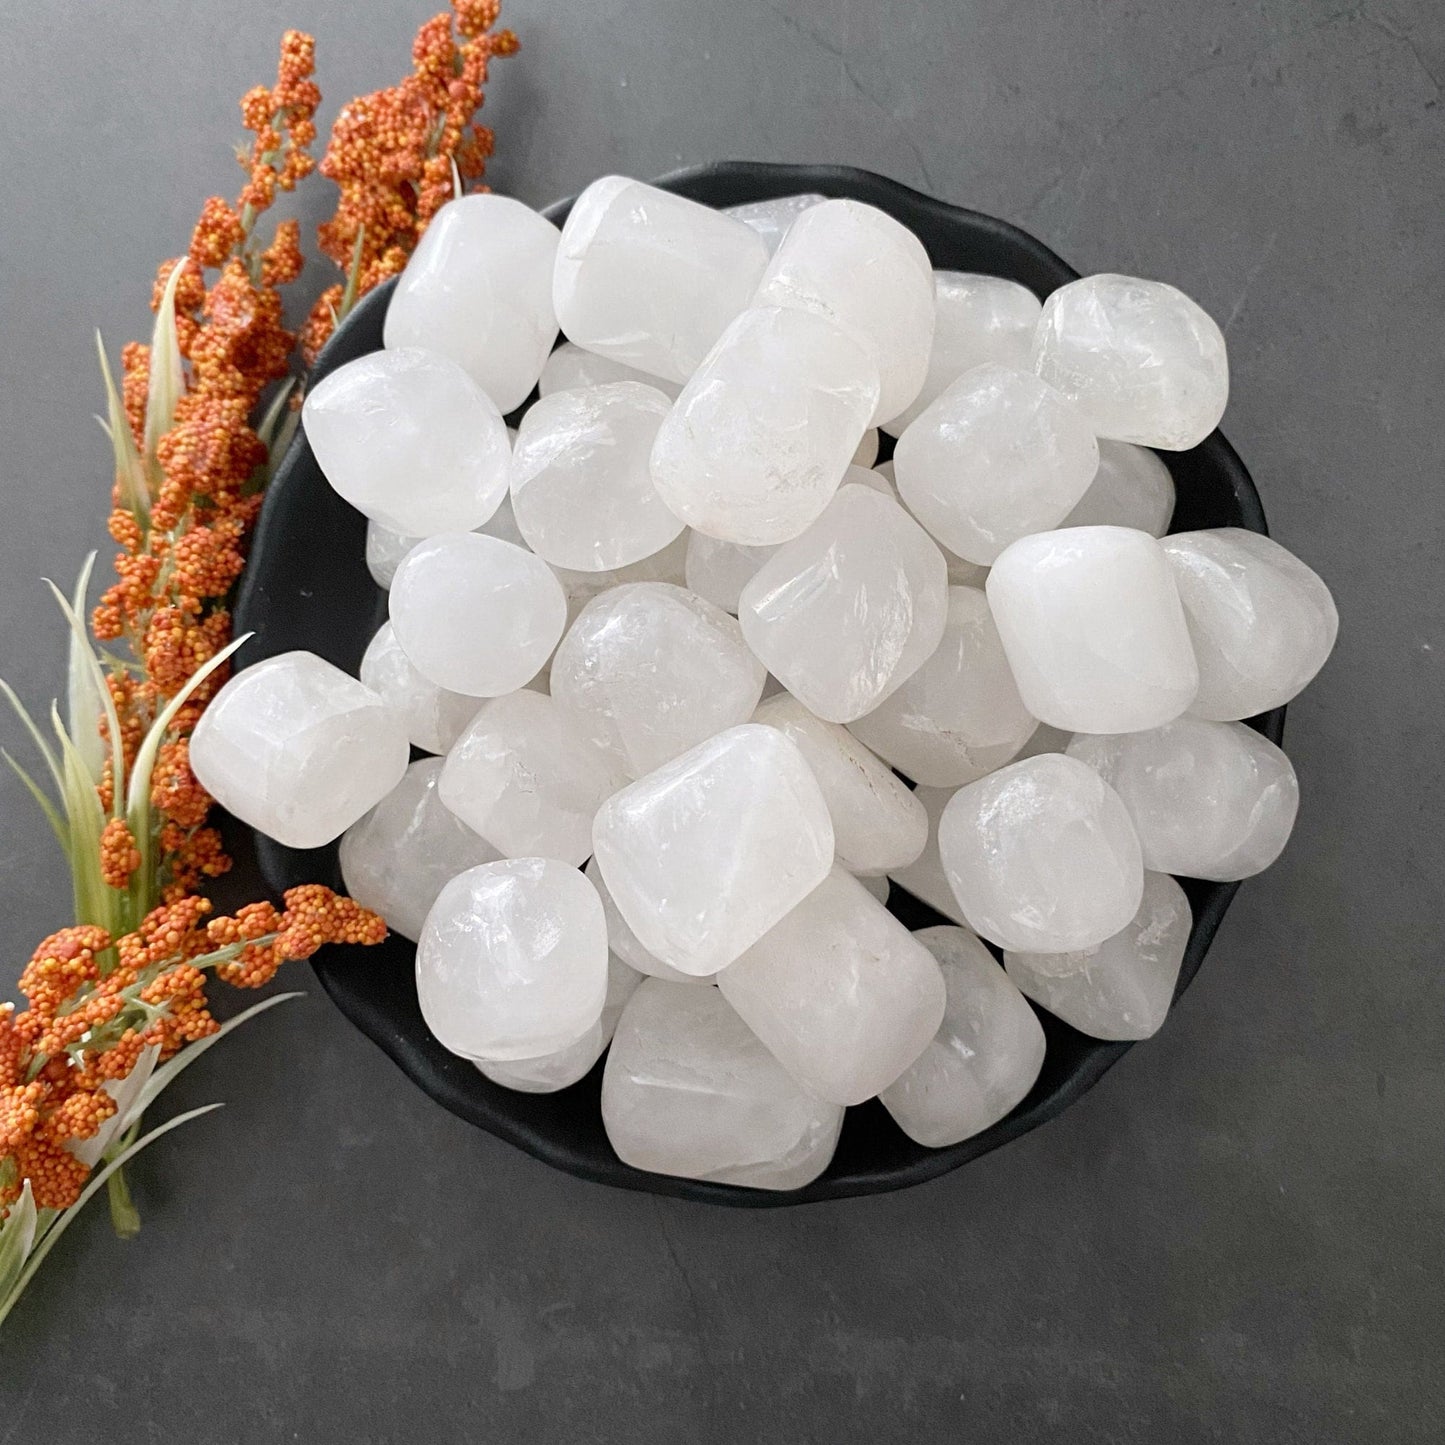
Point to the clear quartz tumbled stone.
(771, 219)
(297, 749)
(1262, 622)
(408, 438)
(625, 943)
(650, 670)
(512, 960)
(757, 443)
(1121, 988)
(434, 717)
(398, 857)
(668, 565)
(706, 854)
(985, 1056)
(1093, 629)
(1042, 856)
(570, 368)
(851, 609)
(478, 288)
(1209, 799)
(690, 1091)
(839, 991)
(1143, 361)
(652, 279)
(475, 614)
(718, 571)
(924, 878)
(961, 572)
(1132, 488)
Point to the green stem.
(124, 1217)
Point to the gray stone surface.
(1237, 1235)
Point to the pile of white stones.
(677, 645)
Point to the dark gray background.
(1237, 1236)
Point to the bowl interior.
(307, 586)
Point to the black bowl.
(307, 587)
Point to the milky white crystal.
(668, 565)
(582, 491)
(650, 670)
(572, 368)
(960, 715)
(878, 825)
(875, 885)
(625, 944)
(961, 572)
(1093, 629)
(706, 854)
(759, 440)
(478, 288)
(408, 438)
(398, 857)
(385, 550)
(840, 992)
(433, 716)
(847, 612)
(1144, 362)
(1043, 739)
(528, 779)
(297, 749)
(689, 1091)
(771, 219)
(652, 279)
(718, 571)
(924, 878)
(475, 614)
(512, 960)
(866, 452)
(1122, 988)
(999, 455)
(860, 268)
(1132, 488)
(985, 1056)
(548, 1073)
(1208, 799)
(1042, 856)
(1261, 621)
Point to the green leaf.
(130, 475)
(17, 1236)
(95, 901)
(167, 380)
(85, 687)
(36, 736)
(271, 420)
(52, 816)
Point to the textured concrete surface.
(1237, 1236)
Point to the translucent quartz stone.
(475, 614)
(385, 550)
(408, 438)
(1262, 622)
(959, 716)
(924, 878)
(527, 778)
(979, 319)
(998, 456)
(650, 670)
(857, 266)
(866, 452)
(624, 942)
(841, 993)
(1093, 629)
(710, 851)
(1043, 739)
(582, 492)
(985, 1056)
(652, 279)
(296, 748)
(849, 611)
(718, 571)
(1042, 856)
(668, 565)
(757, 443)
(512, 960)
(1122, 988)
(961, 572)
(1208, 799)
(478, 288)
(397, 858)
(875, 885)
(1132, 488)
(433, 716)
(550, 1072)
(572, 368)
(1145, 363)
(689, 1091)
(771, 219)
(878, 824)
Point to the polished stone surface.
(569, 366)
(1132, 488)
(434, 717)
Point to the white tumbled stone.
(652, 279)
(1093, 629)
(625, 943)
(771, 219)
(839, 991)
(650, 670)
(1043, 739)
(690, 1091)
(984, 1058)
(571, 368)
(547, 1073)
(1042, 856)
(1262, 622)
(478, 288)
(1121, 988)
(297, 749)
(924, 878)
(847, 612)
(1144, 362)
(433, 716)
(1208, 799)
(866, 452)
(475, 614)
(718, 571)
(512, 960)
(668, 565)
(961, 572)
(1132, 488)
(706, 854)
(385, 550)
(757, 443)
